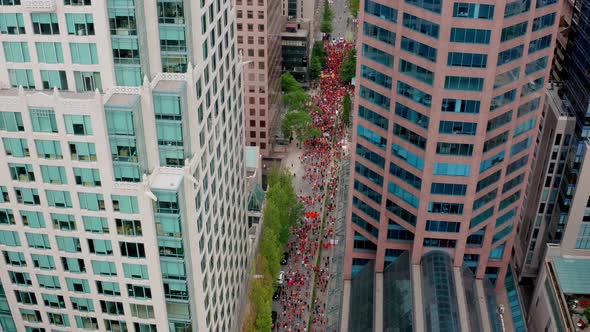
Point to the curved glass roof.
(441, 310)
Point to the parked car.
(281, 277)
(277, 293)
(274, 316)
(285, 258)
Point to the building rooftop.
(122, 100)
(170, 86)
(167, 179)
(572, 274)
(251, 156)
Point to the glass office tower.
(122, 142)
(447, 107)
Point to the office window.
(464, 83)
(9, 238)
(471, 60)
(543, 3)
(82, 151)
(419, 49)
(43, 262)
(442, 226)
(377, 55)
(21, 77)
(452, 189)
(171, 12)
(405, 176)
(374, 97)
(403, 194)
(54, 78)
(439, 243)
(139, 292)
(510, 55)
(38, 241)
(381, 11)
(48, 149)
(369, 174)
(514, 31)
(53, 174)
(45, 23)
(108, 289)
(470, 36)
(543, 22)
(91, 201)
(88, 177)
(379, 33)
(33, 219)
(64, 222)
(371, 136)
(11, 121)
(409, 136)
(411, 115)
(27, 196)
(53, 301)
(80, 24)
(87, 81)
(488, 180)
(457, 128)
(524, 127)
(502, 100)
(485, 199)
(430, 5)
(100, 247)
(473, 11)
(509, 200)
(95, 224)
(82, 304)
(14, 258)
(539, 44)
(21, 172)
(507, 77)
(12, 24)
(60, 199)
(43, 120)
(376, 76)
(516, 7)
(373, 117)
(7, 217)
(47, 281)
(520, 146)
(78, 285)
(451, 169)
(68, 244)
(512, 183)
(135, 271)
(20, 278)
(535, 66)
(4, 198)
(132, 249)
(416, 72)
(517, 164)
(84, 53)
(495, 141)
(125, 204)
(454, 149)
(460, 106)
(407, 156)
(49, 52)
(414, 94)
(367, 209)
(445, 208)
(491, 161)
(421, 25)
(78, 124)
(499, 121)
(16, 51)
(532, 86)
(77, 2)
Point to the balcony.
(39, 5)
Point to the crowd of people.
(320, 163)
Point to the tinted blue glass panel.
(431, 5)
(464, 83)
(374, 97)
(516, 7)
(457, 128)
(371, 136)
(488, 180)
(421, 25)
(403, 194)
(485, 199)
(368, 210)
(520, 146)
(381, 11)
(453, 189)
(373, 117)
(544, 21)
(451, 169)
(543, 3)
(510, 55)
(535, 66)
(367, 191)
(420, 73)
(502, 100)
(454, 149)
(370, 155)
(419, 49)
(460, 106)
(405, 176)
(379, 33)
(409, 136)
(411, 115)
(375, 76)
(442, 226)
(369, 174)
(445, 208)
(491, 161)
(499, 121)
(472, 60)
(473, 11)
(514, 31)
(414, 94)
(470, 36)
(407, 156)
(539, 44)
(377, 55)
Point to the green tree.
(326, 26)
(354, 7)
(315, 68)
(296, 100)
(327, 11)
(289, 83)
(319, 51)
(295, 122)
(347, 71)
(346, 108)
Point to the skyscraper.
(447, 104)
(122, 142)
(259, 24)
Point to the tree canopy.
(299, 124)
(348, 69)
(354, 7)
(346, 108)
(289, 83)
(326, 25)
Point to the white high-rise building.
(122, 204)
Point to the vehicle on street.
(277, 293)
(281, 277)
(273, 316)
(285, 258)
